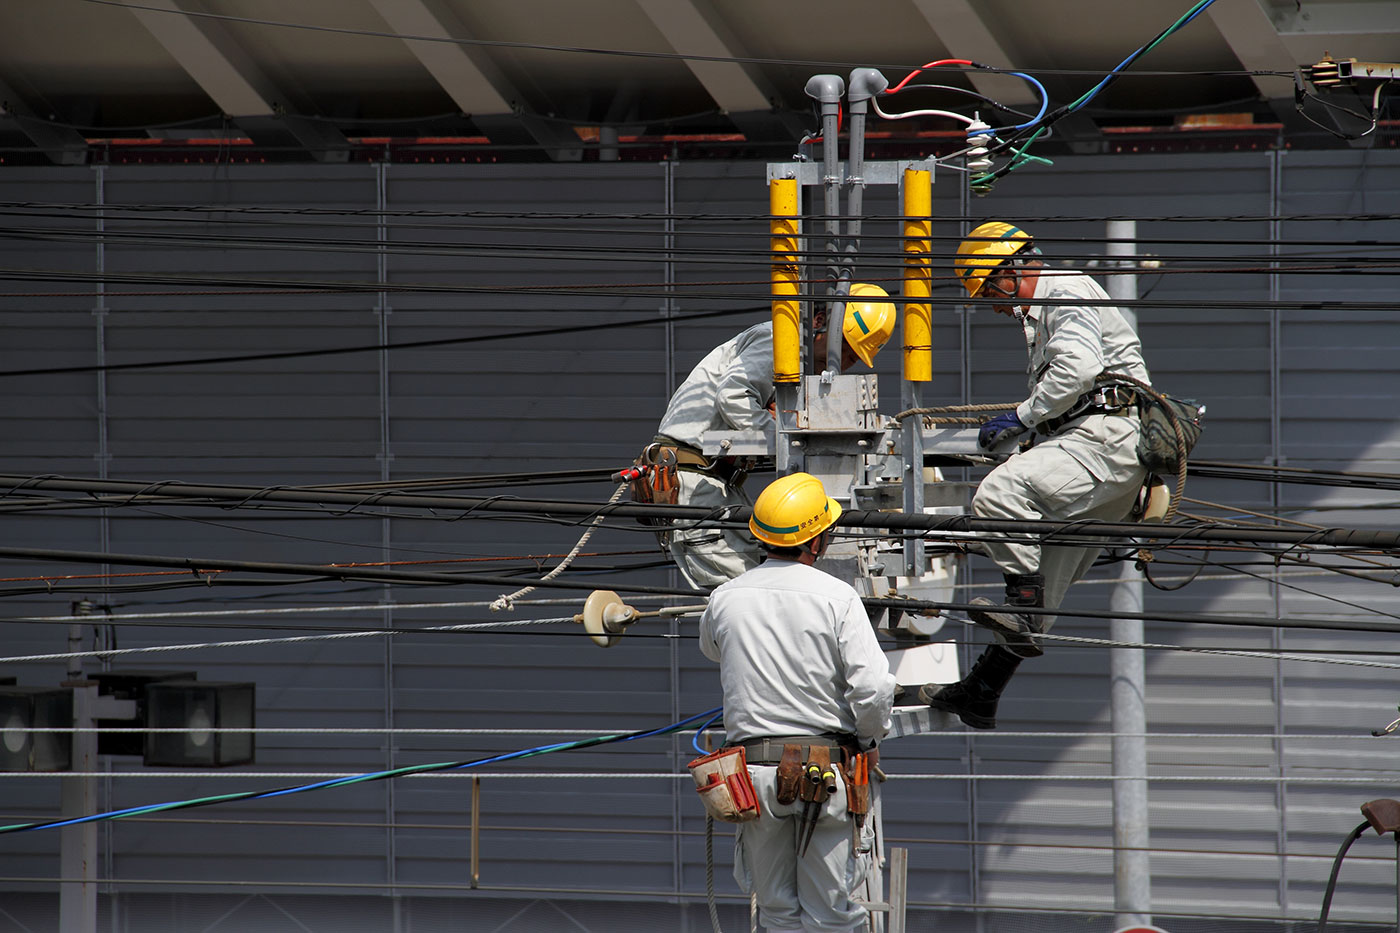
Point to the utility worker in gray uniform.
(1084, 462)
(801, 669)
(731, 389)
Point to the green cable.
(355, 779)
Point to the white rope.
(507, 602)
(1381, 778)
(104, 618)
(1230, 652)
(959, 734)
(291, 639)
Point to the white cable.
(309, 610)
(950, 733)
(508, 602)
(1381, 778)
(245, 642)
(1229, 652)
(875, 102)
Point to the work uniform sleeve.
(1073, 357)
(869, 683)
(746, 387)
(709, 647)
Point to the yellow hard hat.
(793, 509)
(985, 248)
(869, 322)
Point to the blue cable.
(1045, 105)
(709, 716)
(694, 739)
(1140, 51)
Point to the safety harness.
(1100, 400)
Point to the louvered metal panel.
(1010, 821)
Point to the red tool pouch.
(723, 783)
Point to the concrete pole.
(77, 898)
(1132, 877)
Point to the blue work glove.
(995, 430)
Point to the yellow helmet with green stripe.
(985, 248)
(793, 509)
(869, 321)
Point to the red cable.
(942, 61)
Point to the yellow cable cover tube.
(787, 316)
(918, 275)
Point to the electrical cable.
(357, 779)
(982, 183)
(507, 601)
(1354, 835)
(401, 345)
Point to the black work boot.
(974, 698)
(1016, 630)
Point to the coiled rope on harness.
(507, 601)
(1178, 435)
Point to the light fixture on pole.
(200, 709)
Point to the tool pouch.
(1161, 450)
(723, 783)
(789, 774)
(856, 771)
(818, 777)
(656, 482)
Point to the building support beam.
(473, 79)
(63, 146)
(236, 84)
(694, 27)
(963, 31)
(1253, 36)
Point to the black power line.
(1082, 533)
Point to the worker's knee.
(1001, 494)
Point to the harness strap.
(1102, 400)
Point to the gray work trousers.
(708, 557)
(1089, 470)
(814, 893)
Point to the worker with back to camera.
(804, 682)
(1083, 464)
(731, 389)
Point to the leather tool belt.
(723, 783)
(1102, 400)
(732, 471)
(769, 750)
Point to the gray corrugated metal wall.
(1304, 388)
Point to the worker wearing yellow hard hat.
(792, 512)
(805, 687)
(1084, 464)
(731, 389)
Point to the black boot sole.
(970, 719)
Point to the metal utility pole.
(1132, 876)
(78, 852)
